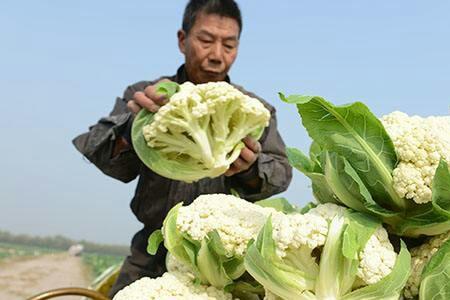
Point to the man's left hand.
(249, 154)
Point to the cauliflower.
(236, 220)
(170, 286)
(420, 256)
(420, 144)
(198, 132)
(395, 168)
(210, 236)
(327, 253)
(310, 230)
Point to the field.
(97, 263)
(15, 250)
(28, 270)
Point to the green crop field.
(100, 262)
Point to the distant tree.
(61, 242)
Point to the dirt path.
(24, 277)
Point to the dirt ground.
(21, 278)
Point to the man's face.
(210, 48)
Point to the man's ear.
(181, 34)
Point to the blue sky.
(63, 63)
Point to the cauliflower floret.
(237, 221)
(202, 126)
(327, 211)
(282, 233)
(297, 230)
(170, 286)
(174, 265)
(420, 144)
(309, 229)
(377, 258)
(420, 256)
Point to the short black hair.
(223, 8)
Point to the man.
(209, 40)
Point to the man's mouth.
(212, 73)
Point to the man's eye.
(206, 41)
(229, 47)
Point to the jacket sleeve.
(98, 143)
(272, 167)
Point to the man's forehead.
(216, 25)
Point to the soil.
(23, 277)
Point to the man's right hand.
(148, 99)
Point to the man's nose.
(216, 53)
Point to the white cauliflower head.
(210, 236)
(201, 127)
(420, 144)
(170, 286)
(310, 230)
(236, 220)
(327, 253)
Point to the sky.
(63, 63)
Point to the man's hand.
(249, 154)
(148, 99)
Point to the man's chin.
(212, 76)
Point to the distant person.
(209, 40)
